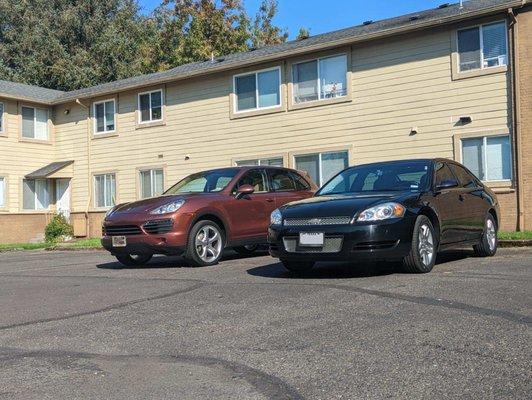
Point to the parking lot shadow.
(336, 270)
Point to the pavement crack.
(116, 306)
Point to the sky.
(322, 16)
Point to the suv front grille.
(122, 230)
(317, 221)
(331, 244)
(158, 226)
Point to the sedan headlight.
(169, 208)
(110, 211)
(276, 218)
(381, 212)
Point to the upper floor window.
(104, 116)
(151, 183)
(34, 123)
(151, 106)
(320, 79)
(482, 46)
(257, 90)
(36, 194)
(488, 157)
(2, 192)
(104, 190)
(276, 162)
(1, 118)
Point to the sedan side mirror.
(244, 190)
(447, 184)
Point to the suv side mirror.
(447, 184)
(244, 190)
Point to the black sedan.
(394, 211)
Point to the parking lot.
(77, 325)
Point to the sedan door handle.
(461, 197)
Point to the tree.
(69, 44)
(303, 33)
(264, 32)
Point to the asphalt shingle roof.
(49, 169)
(404, 23)
(28, 92)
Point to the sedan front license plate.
(119, 241)
(314, 239)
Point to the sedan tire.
(134, 260)
(298, 267)
(422, 256)
(206, 242)
(488, 244)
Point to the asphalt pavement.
(78, 325)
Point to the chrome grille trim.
(331, 244)
(158, 226)
(317, 221)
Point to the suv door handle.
(270, 200)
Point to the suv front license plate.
(119, 241)
(312, 239)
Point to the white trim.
(2, 119)
(95, 128)
(318, 77)
(257, 107)
(481, 44)
(113, 199)
(140, 121)
(3, 197)
(34, 122)
(259, 159)
(484, 155)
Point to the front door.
(62, 196)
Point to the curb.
(516, 243)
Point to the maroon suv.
(202, 214)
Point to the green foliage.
(303, 33)
(71, 44)
(57, 229)
(523, 235)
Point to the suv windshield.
(396, 176)
(204, 182)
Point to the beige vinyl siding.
(396, 84)
(18, 158)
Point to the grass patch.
(76, 245)
(524, 235)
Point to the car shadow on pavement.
(344, 270)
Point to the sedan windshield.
(385, 177)
(204, 182)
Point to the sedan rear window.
(397, 176)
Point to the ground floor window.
(275, 161)
(322, 166)
(151, 183)
(488, 157)
(36, 194)
(104, 190)
(2, 192)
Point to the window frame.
(151, 169)
(94, 200)
(236, 111)
(34, 139)
(140, 122)
(320, 153)
(4, 206)
(50, 196)
(457, 73)
(258, 159)
(95, 122)
(2, 119)
(292, 105)
(484, 156)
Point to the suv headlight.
(276, 218)
(381, 212)
(169, 208)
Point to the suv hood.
(343, 205)
(146, 205)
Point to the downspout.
(516, 99)
(89, 186)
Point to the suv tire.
(134, 260)
(206, 242)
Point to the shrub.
(58, 229)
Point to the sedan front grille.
(317, 221)
(331, 244)
(158, 226)
(122, 230)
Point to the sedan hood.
(342, 205)
(152, 203)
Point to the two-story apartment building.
(449, 82)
